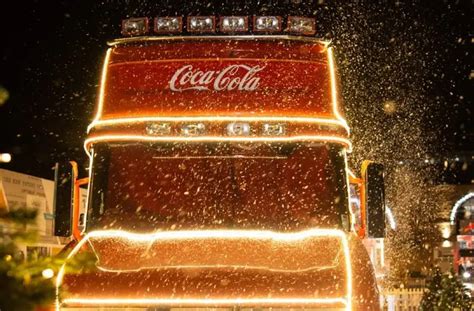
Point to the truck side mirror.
(63, 197)
(374, 199)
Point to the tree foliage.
(21, 279)
(24, 285)
(445, 292)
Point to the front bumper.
(213, 269)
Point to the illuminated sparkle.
(390, 107)
(446, 243)
(390, 218)
(47, 273)
(4, 95)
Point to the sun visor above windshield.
(213, 78)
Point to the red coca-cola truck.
(218, 174)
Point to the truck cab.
(218, 174)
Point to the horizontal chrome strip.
(141, 39)
(310, 120)
(222, 157)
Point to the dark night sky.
(51, 54)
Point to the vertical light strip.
(103, 79)
(332, 72)
(347, 170)
(86, 210)
(348, 256)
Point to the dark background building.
(400, 61)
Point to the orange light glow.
(292, 237)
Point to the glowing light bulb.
(5, 157)
(47, 273)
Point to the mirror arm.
(361, 184)
(363, 211)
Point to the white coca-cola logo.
(232, 77)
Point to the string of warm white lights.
(241, 139)
(458, 204)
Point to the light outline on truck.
(99, 138)
(214, 234)
(334, 94)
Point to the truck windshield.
(286, 187)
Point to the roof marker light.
(301, 25)
(5, 158)
(238, 129)
(266, 23)
(233, 24)
(168, 24)
(135, 26)
(158, 129)
(273, 129)
(193, 129)
(201, 24)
